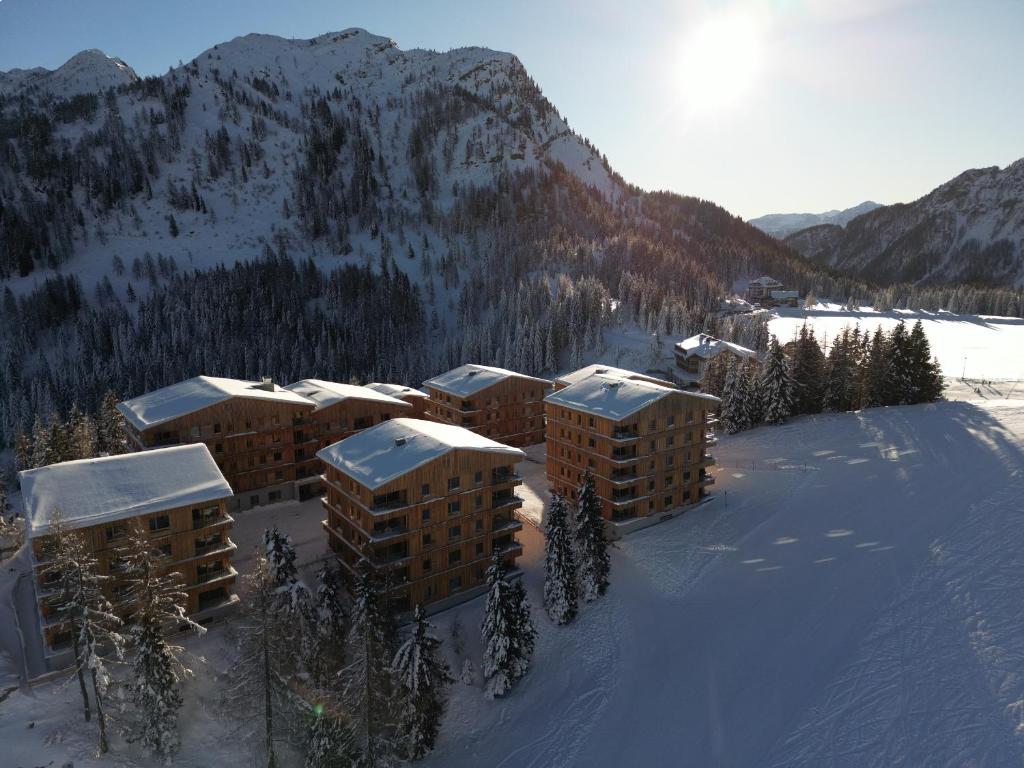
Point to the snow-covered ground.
(977, 346)
(850, 598)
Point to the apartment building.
(695, 353)
(257, 432)
(178, 495)
(646, 444)
(426, 504)
(340, 410)
(418, 399)
(569, 379)
(497, 403)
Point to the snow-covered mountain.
(970, 229)
(782, 224)
(86, 72)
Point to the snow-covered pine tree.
(73, 568)
(899, 378)
(749, 395)
(874, 367)
(111, 438)
(732, 410)
(280, 557)
(560, 595)
(468, 674)
(925, 372)
(157, 670)
(422, 678)
(776, 385)
(808, 372)
(327, 644)
(259, 679)
(591, 549)
(326, 740)
(507, 631)
(291, 593)
(368, 689)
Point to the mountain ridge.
(780, 225)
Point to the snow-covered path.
(856, 605)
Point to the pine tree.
(507, 631)
(874, 368)
(368, 684)
(326, 740)
(422, 678)
(776, 386)
(327, 645)
(157, 671)
(808, 373)
(291, 596)
(591, 551)
(898, 381)
(926, 376)
(733, 409)
(560, 599)
(111, 438)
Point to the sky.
(763, 107)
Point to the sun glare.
(720, 62)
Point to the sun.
(720, 62)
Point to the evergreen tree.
(326, 740)
(422, 677)
(776, 386)
(368, 693)
(592, 560)
(559, 564)
(111, 438)
(733, 411)
(808, 373)
(327, 646)
(507, 631)
(874, 369)
(159, 602)
(898, 386)
(926, 376)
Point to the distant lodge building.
(179, 497)
(645, 443)
(768, 291)
(694, 354)
(263, 437)
(503, 405)
(426, 503)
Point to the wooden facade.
(258, 444)
(509, 410)
(650, 463)
(433, 529)
(196, 539)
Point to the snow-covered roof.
(707, 346)
(784, 294)
(93, 491)
(382, 453)
(328, 393)
(471, 378)
(185, 397)
(396, 390)
(615, 397)
(766, 281)
(608, 370)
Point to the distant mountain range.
(970, 229)
(782, 224)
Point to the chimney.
(266, 384)
(399, 441)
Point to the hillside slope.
(970, 229)
(782, 224)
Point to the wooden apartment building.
(569, 379)
(256, 431)
(178, 495)
(646, 444)
(695, 353)
(340, 410)
(426, 502)
(418, 399)
(503, 405)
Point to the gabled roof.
(766, 281)
(185, 397)
(471, 378)
(328, 393)
(396, 390)
(609, 370)
(615, 397)
(385, 452)
(93, 491)
(707, 346)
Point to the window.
(426, 515)
(478, 501)
(454, 557)
(429, 591)
(591, 443)
(668, 502)
(428, 539)
(279, 475)
(670, 441)
(686, 477)
(159, 523)
(216, 429)
(478, 477)
(479, 524)
(590, 421)
(668, 480)
(165, 549)
(254, 501)
(194, 432)
(115, 532)
(218, 448)
(670, 460)
(479, 548)
(454, 508)
(273, 496)
(454, 583)
(425, 489)
(277, 455)
(671, 419)
(689, 437)
(453, 483)
(652, 425)
(454, 531)
(427, 565)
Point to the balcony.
(499, 476)
(624, 475)
(389, 555)
(502, 500)
(705, 480)
(209, 521)
(706, 460)
(621, 434)
(505, 524)
(213, 547)
(389, 502)
(620, 496)
(389, 530)
(211, 576)
(622, 454)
